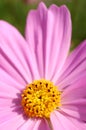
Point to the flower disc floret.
(40, 98)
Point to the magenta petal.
(48, 32)
(74, 99)
(9, 94)
(63, 122)
(16, 58)
(7, 91)
(7, 114)
(76, 91)
(41, 124)
(27, 125)
(12, 124)
(56, 125)
(72, 82)
(7, 79)
(35, 124)
(11, 115)
(35, 34)
(74, 67)
(6, 103)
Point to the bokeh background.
(15, 12)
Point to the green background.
(15, 12)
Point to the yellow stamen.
(40, 98)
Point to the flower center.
(40, 98)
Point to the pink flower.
(42, 54)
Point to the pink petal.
(77, 90)
(6, 102)
(48, 32)
(61, 121)
(12, 124)
(17, 59)
(28, 125)
(56, 124)
(9, 108)
(74, 67)
(9, 96)
(7, 114)
(41, 124)
(74, 99)
(6, 78)
(7, 91)
(11, 117)
(35, 124)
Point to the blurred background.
(15, 12)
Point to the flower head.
(41, 86)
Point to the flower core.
(40, 98)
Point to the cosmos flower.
(42, 86)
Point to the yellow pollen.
(40, 98)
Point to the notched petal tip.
(32, 12)
(62, 7)
(62, 11)
(41, 4)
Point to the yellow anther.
(40, 98)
